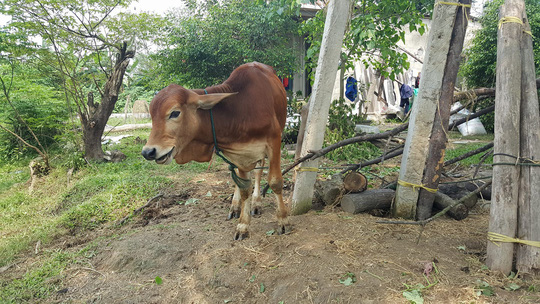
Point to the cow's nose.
(149, 153)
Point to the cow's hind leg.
(256, 199)
(245, 210)
(275, 180)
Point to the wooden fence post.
(528, 257)
(319, 105)
(504, 200)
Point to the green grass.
(43, 279)
(477, 141)
(97, 195)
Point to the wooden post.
(438, 140)
(504, 200)
(126, 107)
(528, 257)
(319, 105)
(423, 112)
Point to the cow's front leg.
(234, 211)
(256, 199)
(245, 210)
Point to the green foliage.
(38, 103)
(348, 279)
(375, 28)
(294, 108)
(462, 149)
(479, 68)
(341, 123)
(209, 41)
(135, 92)
(483, 288)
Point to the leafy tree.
(479, 69)
(91, 48)
(26, 101)
(214, 37)
(374, 30)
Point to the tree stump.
(354, 182)
(328, 191)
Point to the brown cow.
(249, 111)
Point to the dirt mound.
(330, 257)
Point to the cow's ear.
(208, 101)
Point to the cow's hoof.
(233, 214)
(238, 236)
(256, 211)
(283, 229)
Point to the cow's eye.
(174, 114)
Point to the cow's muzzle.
(151, 153)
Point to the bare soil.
(191, 248)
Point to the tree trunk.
(503, 213)
(94, 124)
(438, 140)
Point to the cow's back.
(259, 108)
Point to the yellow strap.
(500, 238)
(308, 169)
(510, 19)
(453, 3)
(416, 187)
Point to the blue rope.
(242, 183)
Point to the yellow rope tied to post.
(512, 19)
(416, 186)
(496, 238)
(308, 169)
(456, 4)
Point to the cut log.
(328, 191)
(354, 182)
(457, 192)
(367, 200)
(485, 194)
(457, 212)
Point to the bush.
(42, 111)
(341, 124)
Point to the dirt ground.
(329, 257)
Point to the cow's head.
(176, 123)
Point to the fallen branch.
(442, 212)
(471, 116)
(136, 211)
(468, 154)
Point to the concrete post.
(325, 76)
